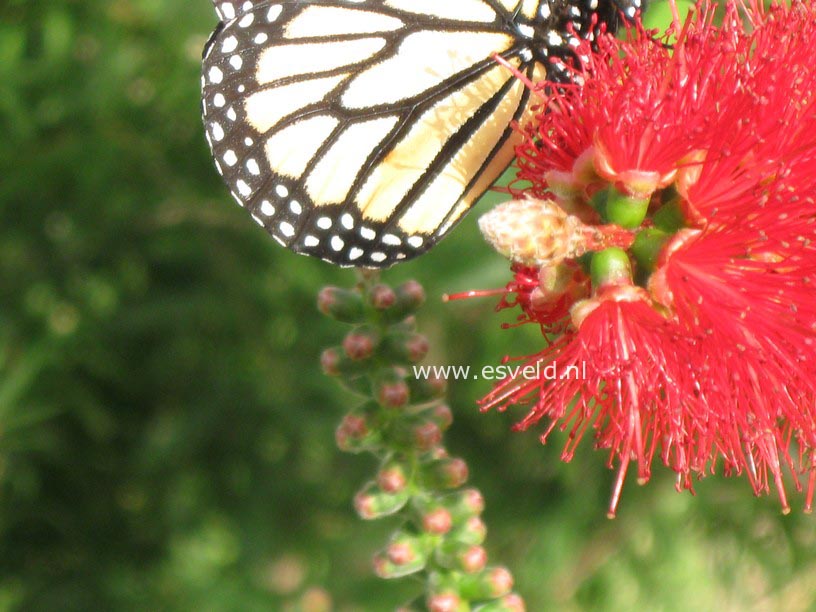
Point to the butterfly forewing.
(360, 131)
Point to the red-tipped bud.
(490, 584)
(464, 504)
(511, 602)
(446, 602)
(427, 436)
(330, 362)
(472, 531)
(392, 478)
(437, 522)
(382, 297)
(447, 473)
(341, 304)
(360, 343)
(441, 415)
(405, 554)
(372, 502)
(335, 362)
(402, 347)
(473, 559)
(354, 435)
(393, 394)
(424, 390)
(409, 297)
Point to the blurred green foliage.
(166, 437)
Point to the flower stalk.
(401, 421)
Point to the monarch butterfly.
(361, 131)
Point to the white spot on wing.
(347, 221)
(324, 223)
(215, 75)
(281, 190)
(337, 243)
(295, 207)
(229, 45)
(253, 167)
(274, 12)
(311, 241)
(227, 10)
(217, 131)
(287, 229)
(367, 233)
(377, 257)
(355, 253)
(230, 158)
(246, 20)
(243, 188)
(415, 241)
(267, 208)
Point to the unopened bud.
(372, 502)
(360, 343)
(437, 522)
(611, 267)
(426, 436)
(393, 394)
(464, 504)
(354, 435)
(511, 602)
(473, 531)
(628, 211)
(405, 554)
(392, 478)
(534, 232)
(473, 559)
(382, 297)
(441, 415)
(409, 297)
(406, 348)
(341, 304)
(490, 584)
(424, 390)
(447, 473)
(446, 602)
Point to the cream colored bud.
(534, 232)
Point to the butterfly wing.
(361, 132)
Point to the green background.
(166, 436)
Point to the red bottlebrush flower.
(686, 296)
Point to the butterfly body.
(361, 131)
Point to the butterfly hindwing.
(361, 131)
(358, 132)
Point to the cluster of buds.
(401, 422)
(667, 232)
